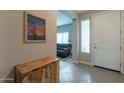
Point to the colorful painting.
(34, 29)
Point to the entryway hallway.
(79, 73)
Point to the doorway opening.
(64, 34)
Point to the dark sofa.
(64, 50)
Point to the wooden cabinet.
(42, 70)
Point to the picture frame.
(34, 29)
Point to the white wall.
(75, 41)
(12, 48)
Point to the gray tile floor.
(79, 73)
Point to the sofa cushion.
(63, 50)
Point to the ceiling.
(63, 19)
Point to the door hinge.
(120, 64)
(120, 48)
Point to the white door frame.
(121, 38)
(75, 33)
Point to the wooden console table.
(42, 70)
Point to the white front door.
(106, 40)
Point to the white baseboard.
(82, 62)
(86, 63)
(122, 72)
(74, 61)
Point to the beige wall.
(122, 42)
(85, 56)
(12, 48)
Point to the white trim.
(86, 63)
(74, 61)
(92, 25)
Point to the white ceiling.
(63, 19)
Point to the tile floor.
(79, 73)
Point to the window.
(85, 36)
(63, 37)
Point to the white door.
(106, 40)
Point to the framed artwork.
(34, 31)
